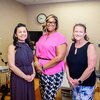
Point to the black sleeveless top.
(78, 62)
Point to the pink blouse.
(46, 48)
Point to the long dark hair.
(82, 25)
(15, 39)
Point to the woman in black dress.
(81, 62)
(20, 57)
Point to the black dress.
(20, 88)
(78, 63)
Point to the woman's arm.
(33, 69)
(60, 55)
(71, 80)
(67, 69)
(13, 67)
(60, 52)
(37, 65)
(35, 58)
(92, 57)
(34, 73)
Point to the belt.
(43, 58)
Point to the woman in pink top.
(49, 59)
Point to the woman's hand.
(76, 82)
(33, 76)
(28, 78)
(71, 81)
(38, 68)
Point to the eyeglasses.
(48, 22)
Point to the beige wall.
(69, 13)
(11, 13)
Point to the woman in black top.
(81, 61)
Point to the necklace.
(75, 51)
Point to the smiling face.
(51, 25)
(79, 33)
(21, 34)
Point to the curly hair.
(47, 18)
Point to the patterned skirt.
(49, 85)
(83, 93)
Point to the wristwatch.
(80, 82)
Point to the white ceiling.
(30, 2)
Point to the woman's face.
(21, 34)
(51, 25)
(79, 33)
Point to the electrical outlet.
(0, 53)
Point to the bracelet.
(36, 62)
(42, 68)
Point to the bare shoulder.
(11, 47)
(91, 47)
